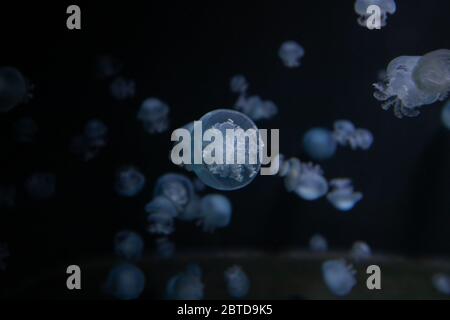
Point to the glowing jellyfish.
(237, 282)
(360, 251)
(342, 195)
(107, 66)
(154, 115)
(318, 243)
(125, 282)
(247, 143)
(239, 84)
(41, 185)
(161, 213)
(7, 196)
(441, 282)
(256, 108)
(386, 7)
(338, 276)
(346, 134)
(25, 130)
(165, 248)
(4, 253)
(291, 53)
(445, 115)
(400, 90)
(175, 187)
(216, 212)
(128, 245)
(14, 88)
(129, 181)
(319, 143)
(187, 285)
(122, 89)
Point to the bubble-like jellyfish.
(342, 196)
(400, 91)
(128, 245)
(125, 282)
(318, 243)
(41, 185)
(175, 187)
(386, 7)
(239, 84)
(215, 171)
(256, 108)
(161, 214)
(441, 282)
(165, 248)
(319, 143)
(122, 89)
(339, 277)
(291, 53)
(237, 282)
(7, 196)
(360, 251)
(14, 88)
(187, 285)
(216, 211)
(25, 130)
(445, 115)
(4, 253)
(107, 66)
(154, 115)
(346, 134)
(129, 181)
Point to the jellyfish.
(91, 141)
(216, 212)
(291, 53)
(360, 251)
(237, 282)
(165, 248)
(175, 187)
(192, 211)
(319, 143)
(25, 130)
(441, 282)
(445, 115)
(41, 185)
(318, 243)
(122, 89)
(128, 245)
(256, 108)
(346, 134)
(14, 88)
(239, 84)
(125, 282)
(339, 277)
(386, 7)
(187, 285)
(154, 115)
(4, 253)
(161, 213)
(401, 91)
(107, 67)
(7, 196)
(342, 195)
(129, 181)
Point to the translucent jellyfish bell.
(386, 7)
(445, 115)
(14, 88)
(122, 89)
(291, 53)
(256, 108)
(161, 213)
(129, 181)
(216, 211)
(338, 276)
(187, 285)
(4, 253)
(128, 245)
(175, 187)
(25, 130)
(41, 185)
(319, 143)
(318, 243)
(346, 134)
(154, 115)
(342, 196)
(360, 251)
(441, 282)
(239, 84)
(232, 176)
(125, 282)
(237, 282)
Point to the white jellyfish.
(441, 282)
(122, 89)
(239, 84)
(129, 181)
(318, 243)
(154, 115)
(386, 7)
(346, 134)
(128, 245)
(14, 88)
(360, 251)
(161, 213)
(165, 248)
(187, 285)
(216, 211)
(41, 185)
(4, 253)
(237, 282)
(445, 115)
(256, 108)
(7, 196)
(25, 130)
(339, 277)
(291, 53)
(342, 196)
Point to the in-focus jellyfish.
(25, 130)
(93, 139)
(342, 196)
(122, 89)
(125, 282)
(7, 196)
(154, 115)
(107, 66)
(187, 285)
(319, 143)
(445, 115)
(4, 253)
(291, 53)
(339, 277)
(161, 214)
(129, 181)
(360, 251)
(239, 84)
(41, 185)
(386, 7)
(237, 282)
(128, 245)
(231, 176)
(14, 88)
(175, 187)
(318, 243)
(441, 282)
(256, 108)
(165, 248)
(346, 134)
(216, 211)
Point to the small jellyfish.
(7, 196)
(187, 285)
(175, 187)
(318, 243)
(237, 282)
(154, 115)
(129, 181)
(291, 53)
(25, 130)
(91, 141)
(125, 282)
(346, 134)
(128, 245)
(256, 108)
(161, 214)
(122, 89)
(4, 253)
(165, 248)
(386, 7)
(107, 67)
(339, 277)
(342, 195)
(445, 115)
(14, 88)
(41, 185)
(360, 251)
(216, 211)
(441, 282)
(239, 84)
(319, 143)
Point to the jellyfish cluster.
(4, 253)
(93, 139)
(154, 115)
(129, 181)
(237, 282)
(386, 7)
(338, 276)
(187, 285)
(291, 54)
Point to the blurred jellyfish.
(187, 285)
(165, 248)
(338, 276)
(291, 53)
(360, 251)
(7, 196)
(256, 108)
(129, 181)
(4, 253)
(93, 139)
(342, 195)
(237, 282)
(386, 7)
(318, 243)
(25, 130)
(14, 88)
(161, 213)
(41, 185)
(239, 84)
(175, 187)
(319, 143)
(125, 282)
(107, 67)
(192, 211)
(400, 90)
(122, 89)
(441, 282)
(346, 134)
(154, 115)
(445, 115)
(128, 245)
(216, 212)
